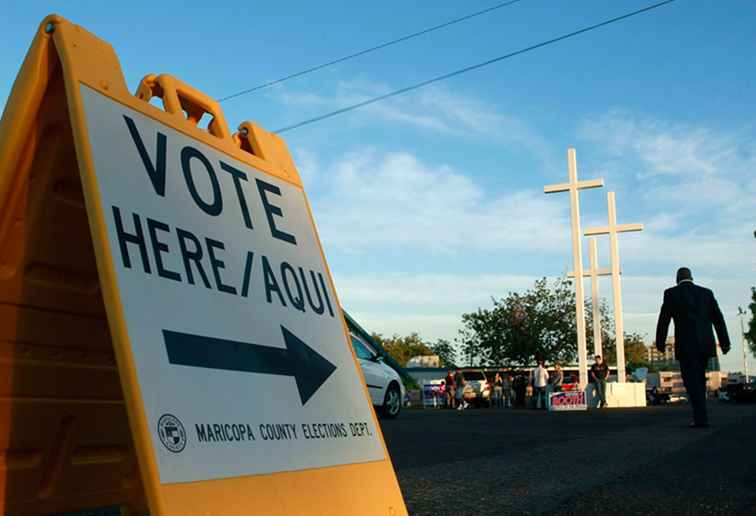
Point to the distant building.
(424, 361)
(657, 357)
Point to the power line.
(470, 68)
(368, 50)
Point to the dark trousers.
(693, 370)
(539, 397)
(450, 392)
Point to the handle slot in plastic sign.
(183, 100)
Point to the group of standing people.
(540, 379)
(502, 394)
(697, 317)
(507, 390)
(454, 390)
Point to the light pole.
(741, 313)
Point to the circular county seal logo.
(171, 432)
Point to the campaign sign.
(570, 400)
(433, 394)
(236, 335)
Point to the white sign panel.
(239, 349)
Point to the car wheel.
(392, 402)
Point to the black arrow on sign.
(307, 366)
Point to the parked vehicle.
(571, 382)
(383, 383)
(477, 389)
(742, 392)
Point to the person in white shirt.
(539, 378)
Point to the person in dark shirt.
(599, 374)
(507, 391)
(520, 387)
(695, 311)
(450, 389)
(558, 378)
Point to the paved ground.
(617, 461)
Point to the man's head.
(598, 359)
(683, 273)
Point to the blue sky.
(430, 203)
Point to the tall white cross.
(574, 186)
(594, 272)
(613, 229)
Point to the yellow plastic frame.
(357, 489)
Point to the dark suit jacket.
(694, 311)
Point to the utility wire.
(470, 68)
(367, 50)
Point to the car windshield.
(360, 349)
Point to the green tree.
(445, 351)
(607, 330)
(522, 326)
(636, 352)
(402, 349)
(751, 332)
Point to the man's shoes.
(693, 424)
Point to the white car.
(384, 383)
(477, 388)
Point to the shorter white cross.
(594, 272)
(613, 229)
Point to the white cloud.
(428, 291)
(695, 194)
(435, 108)
(727, 252)
(695, 168)
(429, 304)
(695, 185)
(432, 304)
(308, 165)
(395, 200)
(666, 149)
(429, 327)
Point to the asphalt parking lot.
(615, 461)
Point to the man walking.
(599, 373)
(694, 310)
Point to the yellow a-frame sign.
(170, 337)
